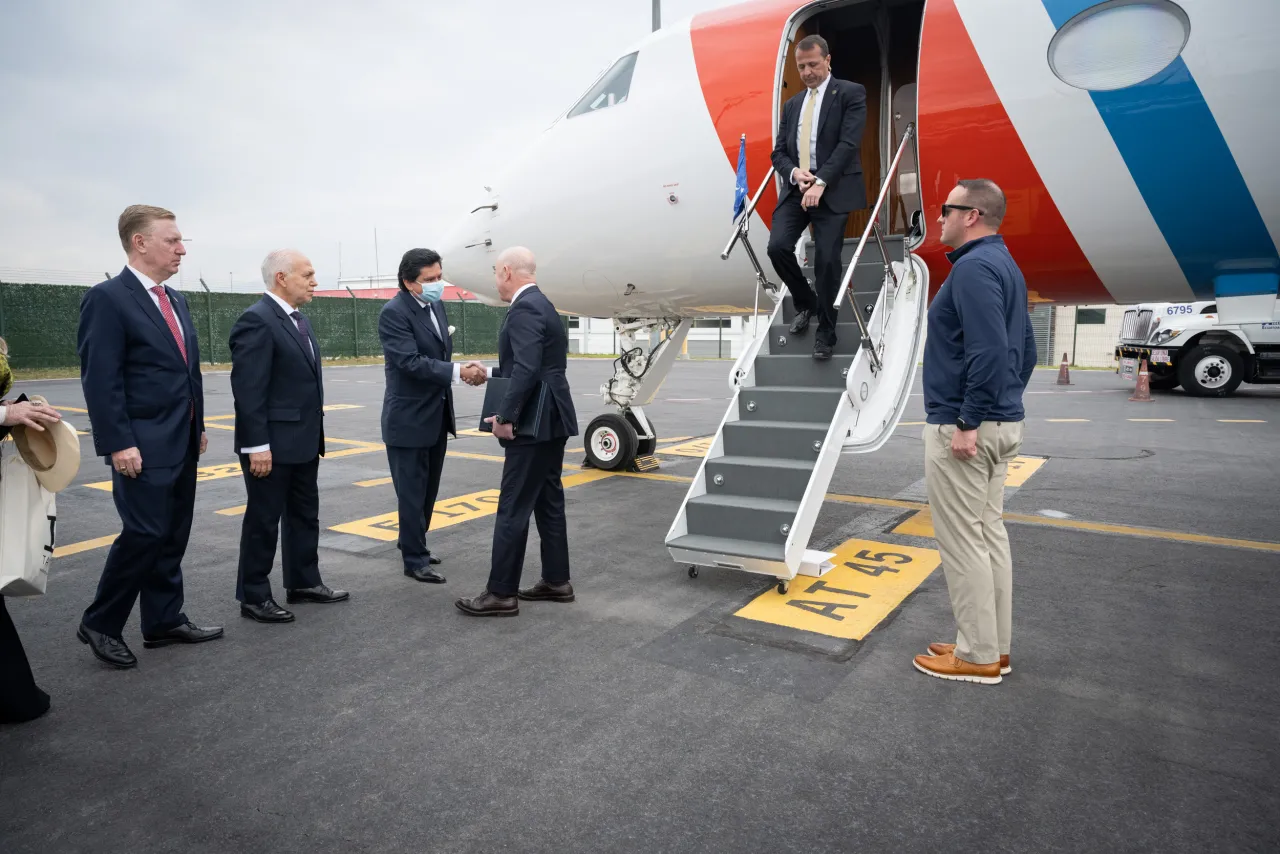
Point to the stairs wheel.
(693, 572)
(783, 587)
(610, 442)
(644, 447)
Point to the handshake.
(473, 373)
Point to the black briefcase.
(535, 416)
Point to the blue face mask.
(432, 292)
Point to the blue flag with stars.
(740, 192)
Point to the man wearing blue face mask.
(417, 405)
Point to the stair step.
(790, 439)
(802, 371)
(765, 477)
(729, 547)
(845, 315)
(783, 342)
(809, 404)
(744, 517)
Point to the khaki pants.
(966, 499)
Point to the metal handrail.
(875, 215)
(740, 227)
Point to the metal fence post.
(208, 314)
(355, 324)
(462, 324)
(2, 329)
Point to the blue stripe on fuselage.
(1184, 170)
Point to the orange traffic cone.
(1142, 393)
(1064, 376)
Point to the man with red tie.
(140, 371)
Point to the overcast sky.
(269, 123)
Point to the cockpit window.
(610, 90)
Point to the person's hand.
(128, 462)
(30, 413)
(964, 444)
(260, 464)
(804, 180)
(473, 373)
(204, 442)
(501, 431)
(812, 196)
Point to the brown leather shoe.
(950, 648)
(545, 591)
(949, 667)
(489, 605)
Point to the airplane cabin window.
(610, 90)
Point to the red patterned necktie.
(170, 318)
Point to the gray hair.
(987, 197)
(279, 261)
(519, 259)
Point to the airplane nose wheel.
(610, 443)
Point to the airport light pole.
(657, 15)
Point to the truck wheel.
(1168, 382)
(1210, 370)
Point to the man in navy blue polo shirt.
(978, 357)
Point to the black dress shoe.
(821, 351)
(188, 632)
(433, 560)
(107, 649)
(322, 594)
(801, 323)
(430, 576)
(545, 591)
(489, 605)
(266, 611)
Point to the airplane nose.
(467, 252)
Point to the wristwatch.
(819, 182)
(964, 426)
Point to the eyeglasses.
(947, 209)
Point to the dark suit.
(840, 123)
(417, 413)
(532, 348)
(141, 393)
(279, 400)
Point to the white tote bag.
(28, 515)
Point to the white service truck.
(1185, 345)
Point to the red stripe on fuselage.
(966, 133)
(735, 50)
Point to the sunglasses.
(947, 209)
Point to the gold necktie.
(806, 130)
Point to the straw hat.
(53, 454)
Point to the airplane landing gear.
(618, 440)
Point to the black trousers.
(145, 561)
(530, 484)
(284, 503)
(415, 472)
(789, 221)
(20, 699)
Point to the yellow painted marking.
(1021, 469)
(1153, 420)
(911, 423)
(87, 545)
(474, 432)
(917, 525)
(1240, 421)
(574, 450)
(377, 481)
(338, 407)
(493, 458)
(869, 580)
(70, 409)
(696, 448)
(451, 511)
(213, 425)
(1150, 533)
(672, 478)
(877, 502)
(1067, 420)
(232, 511)
(220, 417)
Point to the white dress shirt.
(435, 324)
(288, 310)
(147, 285)
(816, 95)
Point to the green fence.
(39, 323)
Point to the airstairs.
(759, 489)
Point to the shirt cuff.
(457, 373)
(256, 449)
(4, 413)
(794, 182)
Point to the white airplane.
(1133, 139)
